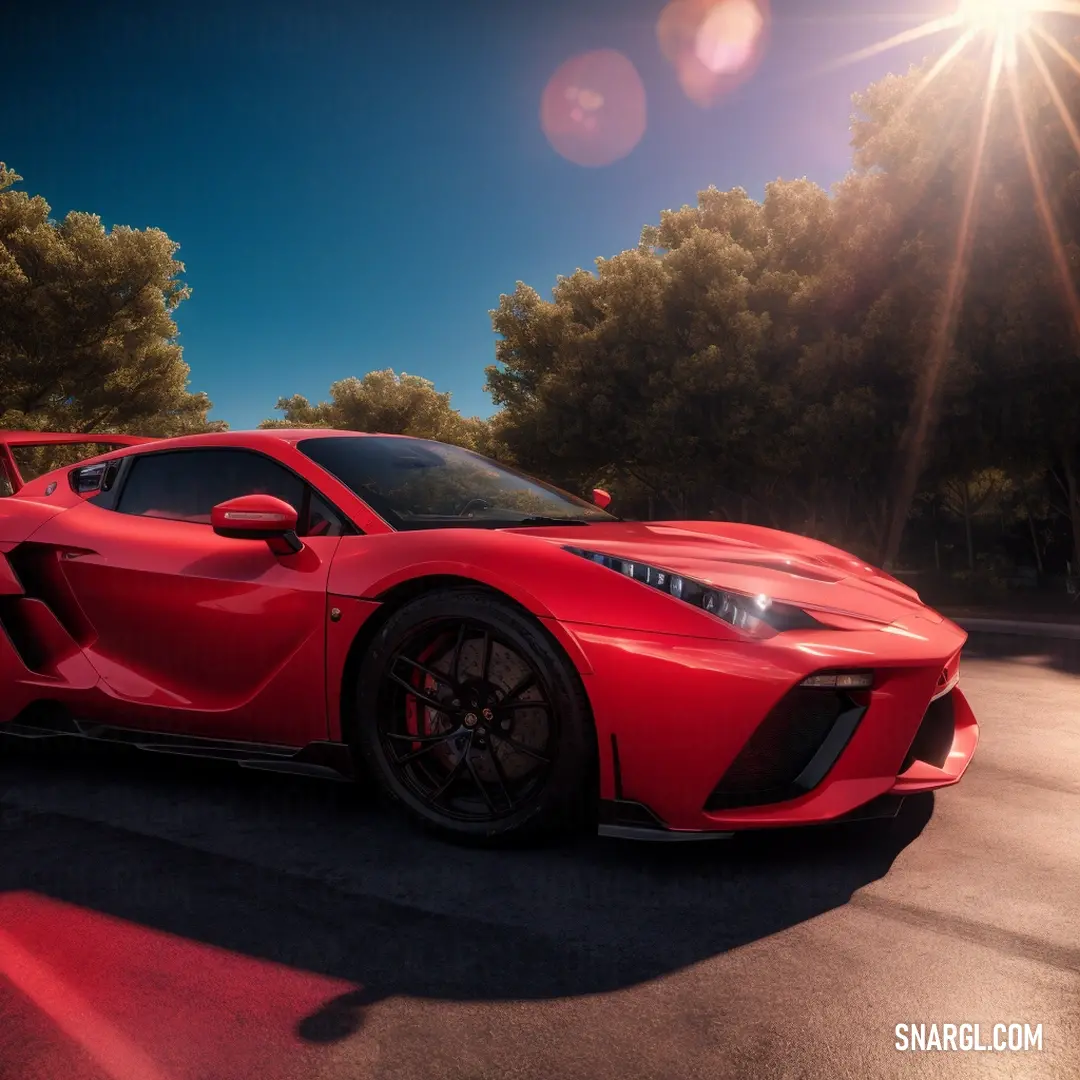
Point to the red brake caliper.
(414, 710)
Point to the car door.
(193, 632)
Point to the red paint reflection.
(714, 45)
(593, 108)
(97, 997)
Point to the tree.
(87, 338)
(644, 367)
(969, 496)
(679, 372)
(393, 404)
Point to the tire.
(523, 768)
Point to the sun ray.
(929, 76)
(965, 233)
(1042, 206)
(942, 62)
(876, 18)
(905, 37)
(944, 333)
(1054, 92)
(1059, 49)
(1058, 7)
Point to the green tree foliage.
(680, 366)
(87, 337)
(390, 403)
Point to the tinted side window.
(187, 484)
(321, 519)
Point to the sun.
(1006, 19)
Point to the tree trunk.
(902, 489)
(937, 533)
(1034, 540)
(1073, 491)
(877, 525)
(965, 506)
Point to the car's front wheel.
(471, 718)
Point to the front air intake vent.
(790, 751)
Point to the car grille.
(934, 739)
(787, 754)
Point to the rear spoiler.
(9, 469)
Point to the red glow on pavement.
(115, 1054)
(593, 108)
(144, 1005)
(714, 45)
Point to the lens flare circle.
(593, 109)
(727, 36)
(714, 45)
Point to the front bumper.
(673, 716)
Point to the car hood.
(749, 559)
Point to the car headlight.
(754, 614)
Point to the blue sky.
(353, 185)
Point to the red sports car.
(496, 655)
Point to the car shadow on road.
(1058, 654)
(632, 913)
(314, 877)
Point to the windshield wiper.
(541, 520)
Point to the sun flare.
(1018, 33)
(1007, 19)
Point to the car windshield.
(421, 484)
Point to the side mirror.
(258, 517)
(601, 498)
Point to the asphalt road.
(168, 921)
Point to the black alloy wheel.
(473, 719)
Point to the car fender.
(369, 571)
(371, 567)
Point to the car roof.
(258, 439)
